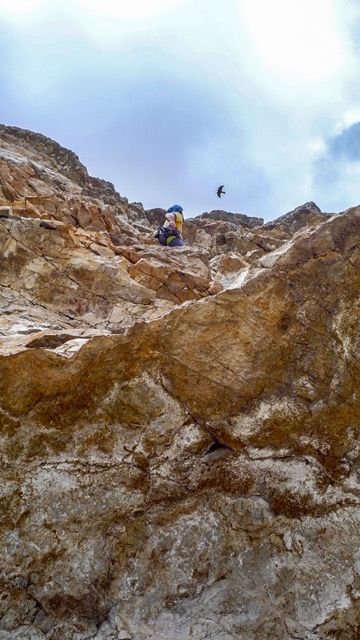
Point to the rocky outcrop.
(221, 232)
(308, 214)
(63, 161)
(179, 428)
(72, 261)
(235, 218)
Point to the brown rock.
(179, 449)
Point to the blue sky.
(168, 99)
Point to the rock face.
(179, 427)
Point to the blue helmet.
(175, 208)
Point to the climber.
(177, 211)
(168, 238)
(170, 223)
(170, 233)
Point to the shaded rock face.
(305, 215)
(236, 218)
(221, 232)
(156, 217)
(69, 259)
(179, 429)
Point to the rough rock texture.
(179, 428)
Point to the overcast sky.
(168, 99)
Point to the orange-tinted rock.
(178, 429)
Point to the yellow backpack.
(179, 220)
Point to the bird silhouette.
(220, 191)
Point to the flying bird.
(220, 191)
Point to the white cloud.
(134, 9)
(350, 116)
(123, 8)
(341, 189)
(17, 7)
(247, 90)
(295, 37)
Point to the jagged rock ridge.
(179, 429)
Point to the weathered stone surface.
(236, 218)
(64, 247)
(177, 469)
(221, 232)
(156, 217)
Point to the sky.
(168, 99)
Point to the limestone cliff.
(179, 427)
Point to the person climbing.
(177, 211)
(170, 233)
(168, 238)
(170, 223)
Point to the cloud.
(134, 10)
(346, 144)
(338, 168)
(287, 38)
(170, 98)
(17, 7)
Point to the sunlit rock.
(179, 428)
